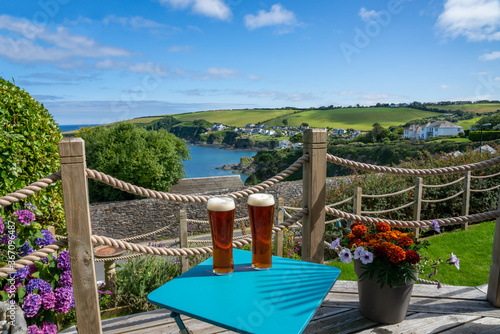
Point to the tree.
(285, 122)
(304, 124)
(150, 159)
(297, 138)
(29, 151)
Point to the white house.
(339, 131)
(269, 132)
(435, 129)
(285, 144)
(250, 125)
(218, 127)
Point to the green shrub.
(150, 159)
(29, 151)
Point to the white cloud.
(477, 20)
(490, 56)
(38, 43)
(278, 15)
(266, 94)
(141, 68)
(211, 8)
(368, 15)
(179, 48)
(136, 22)
(218, 73)
(254, 77)
(444, 86)
(496, 79)
(347, 92)
(380, 96)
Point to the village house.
(250, 125)
(435, 129)
(218, 127)
(338, 131)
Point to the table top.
(280, 300)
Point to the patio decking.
(452, 309)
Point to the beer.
(261, 213)
(221, 218)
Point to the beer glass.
(221, 218)
(261, 213)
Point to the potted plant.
(387, 263)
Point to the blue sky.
(101, 61)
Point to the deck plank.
(483, 326)
(343, 323)
(420, 323)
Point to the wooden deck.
(452, 309)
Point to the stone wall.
(131, 218)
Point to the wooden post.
(314, 184)
(466, 199)
(358, 196)
(417, 207)
(279, 235)
(493, 293)
(52, 230)
(76, 209)
(243, 228)
(183, 237)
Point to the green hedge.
(487, 135)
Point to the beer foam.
(261, 200)
(220, 204)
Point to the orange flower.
(397, 254)
(359, 230)
(350, 236)
(383, 227)
(405, 241)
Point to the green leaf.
(21, 292)
(5, 295)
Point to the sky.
(96, 62)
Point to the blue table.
(280, 300)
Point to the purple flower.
(48, 328)
(2, 226)
(25, 249)
(31, 270)
(366, 257)
(335, 243)
(31, 305)
(33, 329)
(30, 206)
(48, 300)
(65, 279)
(25, 217)
(454, 260)
(345, 256)
(21, 274)
(40, 284)
(357, 252)
(47, 239)
(64, 299)
(6, 237)
(434, 226)
(63, 260)
(12, 288)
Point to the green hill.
(355, 118)
(480, 108)
(238, 118)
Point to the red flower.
(383, 227)
(405, 241)
(359, 230)
(397, 254)
(355, 224)
(412, 257)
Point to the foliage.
(291, 248)
(164, 123)
(388, 255)
(29, 151)
(140, 276)
(150, 159)
(487, 135)
(43, 289)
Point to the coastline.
(226, 147)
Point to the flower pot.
(383, 305)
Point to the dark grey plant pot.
(383, 305)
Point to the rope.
(443, 199)
(412, 172)
(389, 210)
(424, 281)
(146, 235)
(485, 176)
(332, 221)
(207, 222)
(388, 195)
(29, 190)
(291, 208)
(442, 185)
(140, 191)
(341, 202)
(413, 224)
(481, 190)
(125, 257)
(35, 256)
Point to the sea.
(204, 159)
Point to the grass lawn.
(472, 247)
(479, 107)
(354, 118)
(467, 123)
(456, 140)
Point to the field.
(354, 118)
(237, 118)
(478, 108)
(467, 123)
